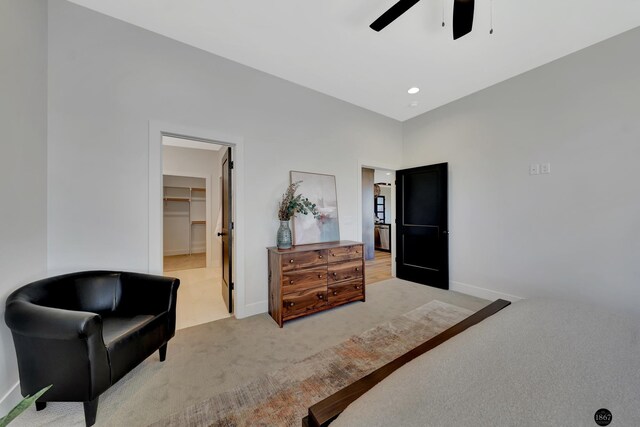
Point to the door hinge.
(231, 165)
(233, 285)
(232, 225)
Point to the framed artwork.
(321, 190)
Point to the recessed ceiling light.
(414, 104)
(388, 173)
(413, 90)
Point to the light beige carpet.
(206, 360)
(281, 398)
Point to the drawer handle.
(358, 286)
(335, 293)
(333, 254)
(290, 261)
(321, 296)
(291, 304)
(320, 256)
(357, 268)
(335, 274)
(319, 276)
(291, 282)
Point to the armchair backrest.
(92, 291)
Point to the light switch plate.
(534, 169)
(545, 168)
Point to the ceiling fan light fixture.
(413, 90)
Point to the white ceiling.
(381, 175)
(327, 45)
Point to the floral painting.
(321, 190)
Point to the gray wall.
(107, 79)
(23, 162)
(574, 233)
(367, 213)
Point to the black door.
(227, 231)
(422, 235)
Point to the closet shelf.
(177, 199)
(194, 199)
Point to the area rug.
(282, 398)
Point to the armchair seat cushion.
(132, 339)
(113, 328)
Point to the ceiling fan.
(462, 16)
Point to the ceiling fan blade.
(392, 14)
(462, 17)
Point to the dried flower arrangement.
(293, 203)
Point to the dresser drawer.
(298, 260)
(351, 290)
(345, 271)
(345, 253)
(297, 280)
(299, 303)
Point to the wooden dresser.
(310, 278)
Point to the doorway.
(195, 195)
(377, 222)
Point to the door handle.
(445, 232)
(220, 234)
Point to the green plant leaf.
(22, 406)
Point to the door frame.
(371, 164)
(157, 130)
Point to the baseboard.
(10, 399)
(479, 292)
(194, 250)
(253, 309)
(174, 252)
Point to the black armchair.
(82, 332)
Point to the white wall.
(574, 233)
(23, 164)
(108, 79)
(386, 192)
(198, 163)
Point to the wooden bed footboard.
(324, 412)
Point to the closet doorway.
(378, 222)
(192, 224)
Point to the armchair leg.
(40, 406)
(163, 352)
(90, 411)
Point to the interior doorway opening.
(378, 217)
(192, 199)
